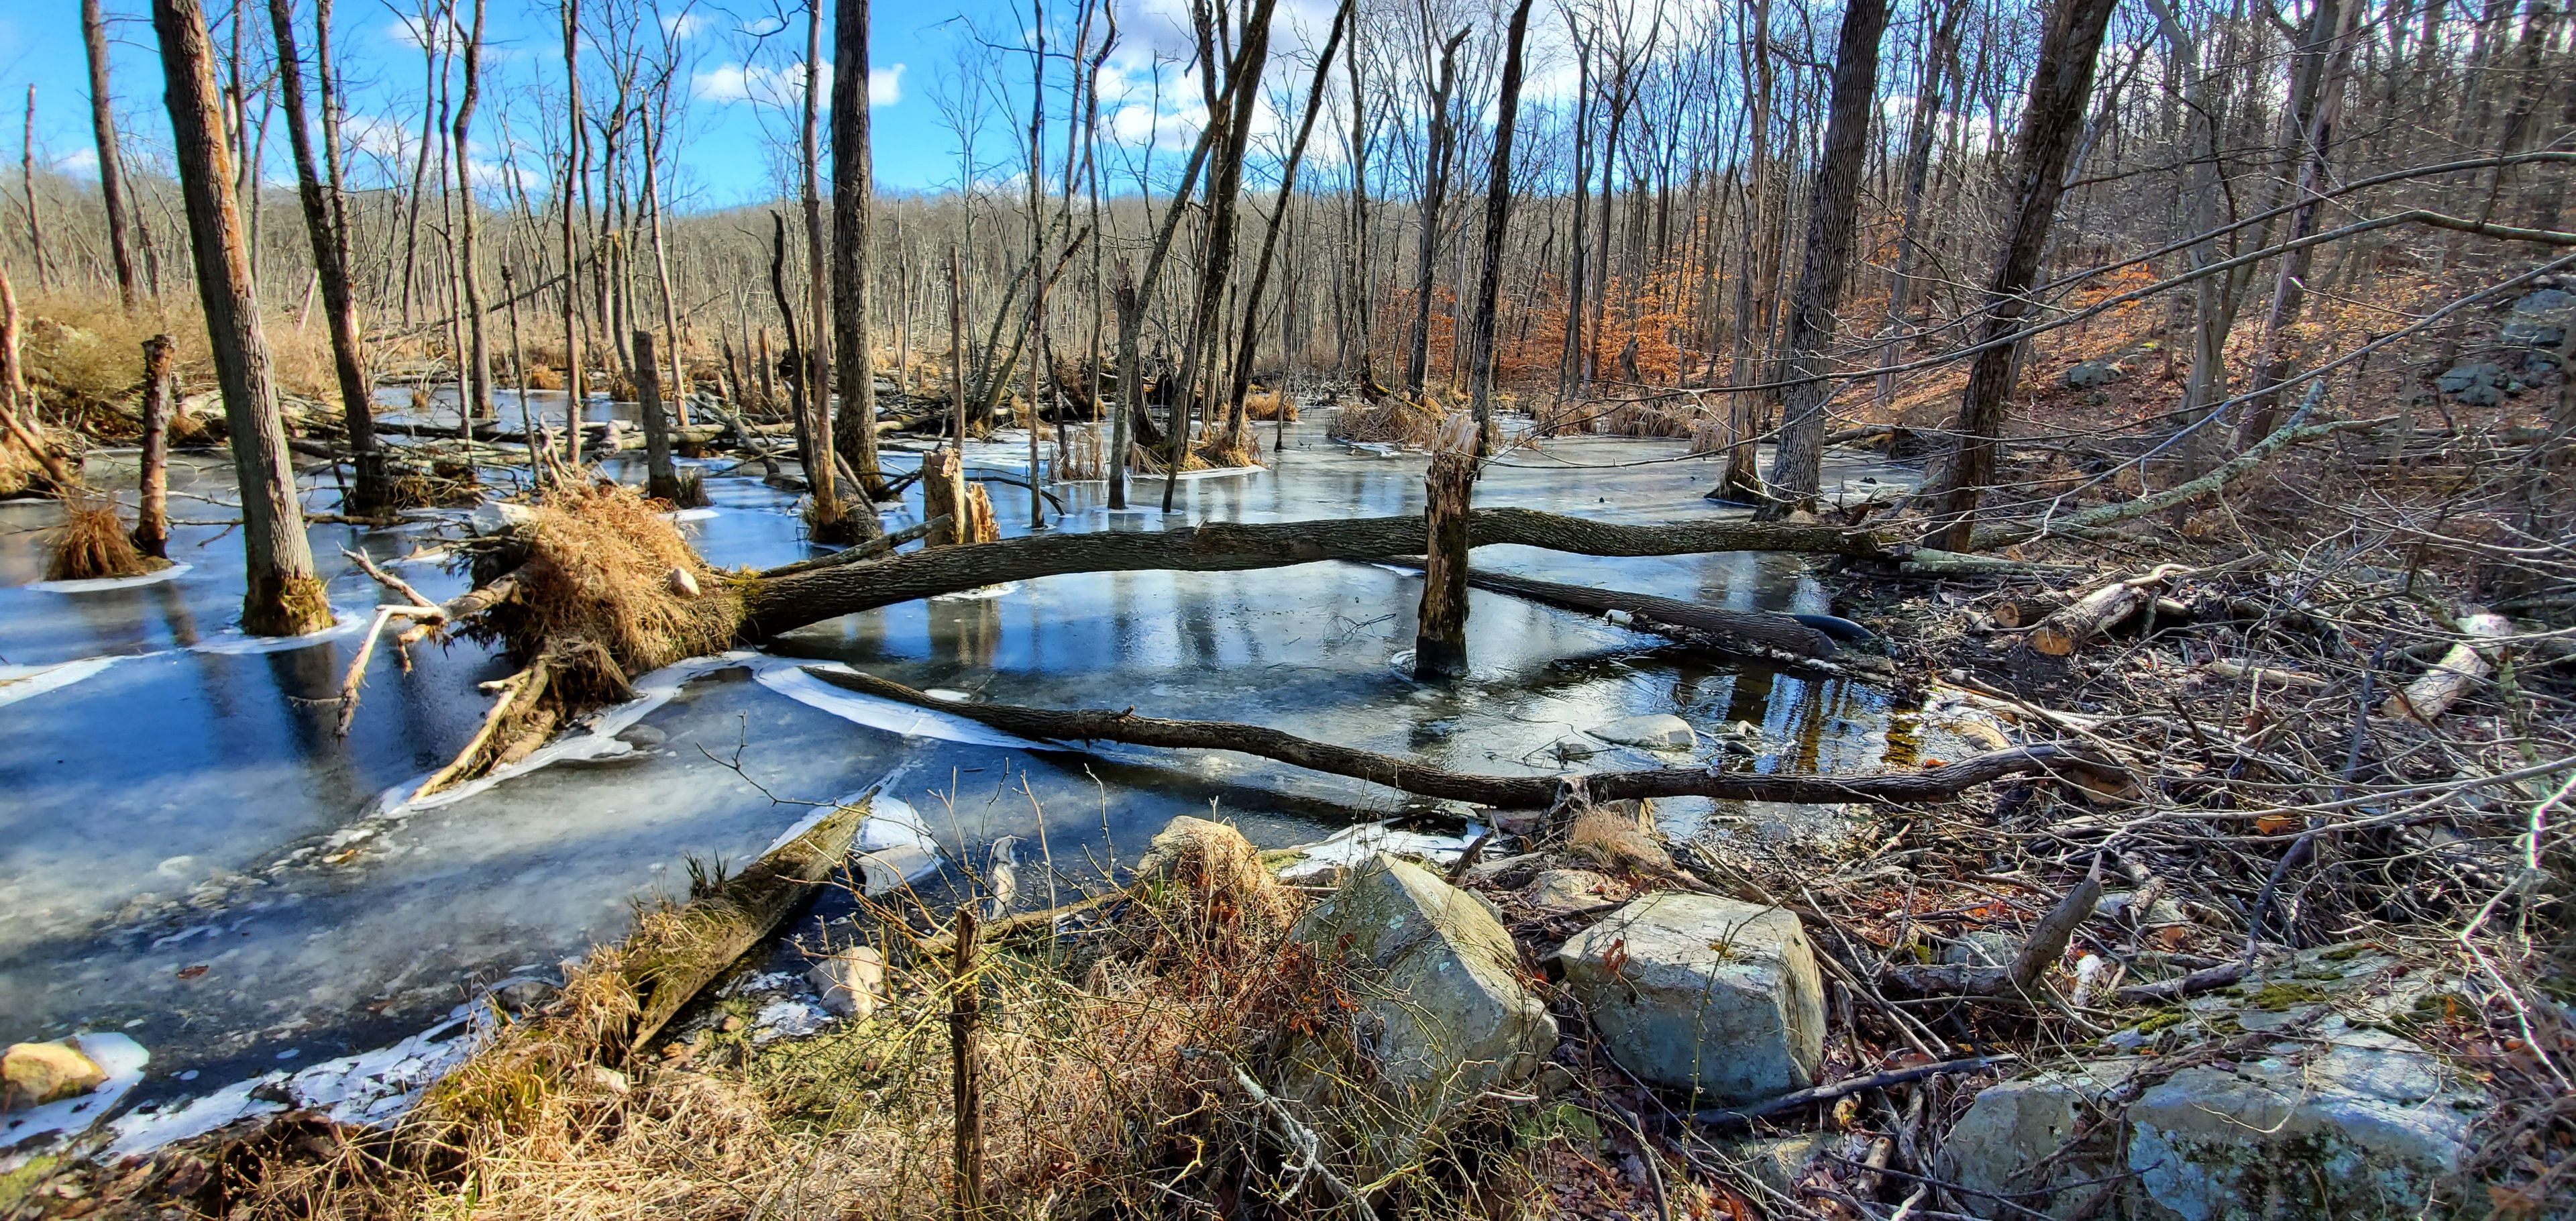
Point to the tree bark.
(1435, 193)
(778, 606)
(661, 480)
(111, 175)
(1797, 465)
(330, 245)
(570, 207)
(822, 475)
(27, 184)
(284, 597)
(1498, 210)
(2048, 127)
(478, 404)
(1440, 635)
(853, 199)
(152, 509)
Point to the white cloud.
(685, 23)
(784, 85)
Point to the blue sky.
(742, 60)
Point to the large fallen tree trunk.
(1506, 792)
(810, 597)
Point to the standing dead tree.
(111, 167)
(853, 188)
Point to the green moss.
(2345, 953)
(2279, 996)
(18, 1184)
(2166, 1020)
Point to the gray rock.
(1652, 731)
(1776, 1162)
(851, 983)
(2539, 320)
(1566, 889)
(2476, 384)
(2094, 373)
(1702, 993)
(1982, 948)
(524, 995)
(2361, 1128)
(1447, 1015)
(2000, 1143)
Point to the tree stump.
(152, 514)
(945, 492)
(1440, 641)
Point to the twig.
(1852, 1085)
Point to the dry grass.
(1652, 418)
(1270, 406)
(1392, 419)
(92, 543)
(1084, 455)
(594, 569)
(84, 355)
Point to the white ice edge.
(234, 642)
(26, 682)
(698, 514)
(789, 677)
(1221, 472)
(370, 1088)
(118, 1054)
(97, 585)
(980, 593)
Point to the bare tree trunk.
(1435, 192)
(152, 509)
(1918, 171)
(825, 524)
(1242, 380)
(2332, 40)
(1225, 181)
(478, 374)
(966, 1101)
(27, 181)
(570, 206)
(111, 175)
(2048, 127)
(853, 201)
(661, 480)
(1797, 465)
(284, 598)
(1498, 209)
(331, 266)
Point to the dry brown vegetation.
(92, 542)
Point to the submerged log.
(810, 597)
(1508, 792)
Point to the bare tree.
(478, 355)
(284, 598)
(1797, 466)
(853, 190)
(2049, 123)
(330, 244)
(111, 172)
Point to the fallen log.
(2065, 630)
(810, 597)
(675, 954)
(2046, 944)
(1506, 792)
(1768, 630)
(2462, 668)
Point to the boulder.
(2093, 374)
(33, 1074)
(1653, 731)
(2361, 1127)
(851, 983)
(1703, 994)
(2013, 1139)
(1446, 1013)
(2539, 320)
